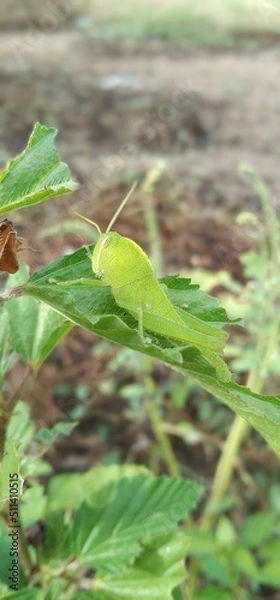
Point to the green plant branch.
(11, 294)
(271, 217)
(151, 218)
(6, 409)
(163, 439)
(224, 471)
(20, 390)
(24, 553)
(4, 420)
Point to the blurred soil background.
(134, 87)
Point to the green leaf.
(144, 506)
(177, 594)
(156, 572)
(33, 505)
(21, 428)
(258, 528)
(271, 549)
(183, 293)
(6, 352)
(213, 592)
(201, 543)
(48, 436)
(36, 175)
(21, 431)
(244, 562)
(225, 532)
(97, 486)
(9, 467)
(86, 302)
(58, 589)
(93, 307)
(57, 540)
(270, 574)
(4, 333)
(217, 568)
(35, 329)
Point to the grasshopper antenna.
(122, 204)
(89, 221)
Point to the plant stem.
(224, 471)
(151, 217)
(24, 554)
(163, 439)
(4, 420)
(221, 482)
(6, 410)
(19, 391)
(237, 434)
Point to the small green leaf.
(36, 175)
(35, 329)
(156, 572)
(21, 428)
(271, 549)
(270, 574)
(258, 528)
(33, 505)
(143, 506)
(21, 431)
(57, 540)
(6, 352)
(58, 589)
(217, 568)
(225, 532)
(201, 543)
(9, 468)
(213, 592)
(244, 561)
(4, 333)
(48, 436)
(97, 486)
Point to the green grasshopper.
(121, 264)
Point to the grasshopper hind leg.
(221, 368)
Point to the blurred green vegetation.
(212, 23)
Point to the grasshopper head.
(104, 256)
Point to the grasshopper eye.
(106, 241)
